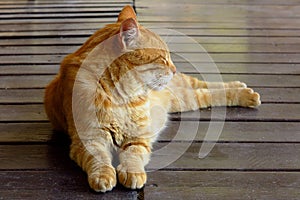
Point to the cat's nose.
(173, 69)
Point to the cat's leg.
(134, 155)
(94, 158)
(244, 97)
(182, 99)
(183, 80)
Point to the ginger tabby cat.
(122, 97)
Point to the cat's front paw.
(133, 180)
(103, 180)
(249, 98)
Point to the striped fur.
(131, 97)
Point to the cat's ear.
(129, 33)
(126, 13)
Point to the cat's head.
(145, 51)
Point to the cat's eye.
(165, 60)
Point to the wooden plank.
(65, 10)
(4, 4)
(288, 132)
(236, 48)
(29, 69)
(26, 133)
(238, 57)
(235, 32)
(22, 96)
(280, 81)
(182, 48)
(206, 19)
(32, 59)
(182, 31)
(222, 185)
(261, 58)
(284, 41)
(266, 112)
(229, 156)
(38, 157)
(202, 68)
(51, 27)
(256, 2)
(60, 20)
(36, 81)
(255, 80)
(70, 184)
(64, 2)
(22, 113)
(43, 41)
(58, 16)
(217, 11)
(250, 25)
(232, 156)
(153, 19)
(36, 50)
(226, 2)
(54, 33)
(15, 96)
(283, 95)
(58, 5)
(248, 40)
(238, 68)
(178, 131)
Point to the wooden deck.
(258, 153)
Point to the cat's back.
(58, 93)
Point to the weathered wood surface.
(259, 132)
(223, 185)
(279, 81)
(19, 96)
(32, 142)
(58, 184)
(248, 33)
(266, 112)
(78, 40)
(202, 68)
(179, 47)
(224, 156)
(256, 155)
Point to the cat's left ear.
(129, 33)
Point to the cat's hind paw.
(103, 180)
(132, 180)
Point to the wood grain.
(223, 185)
(280, 81)
(15, 96)
(224, 156)
(176, 131)
(68, 184)
(266, 112)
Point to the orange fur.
(124, 98)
